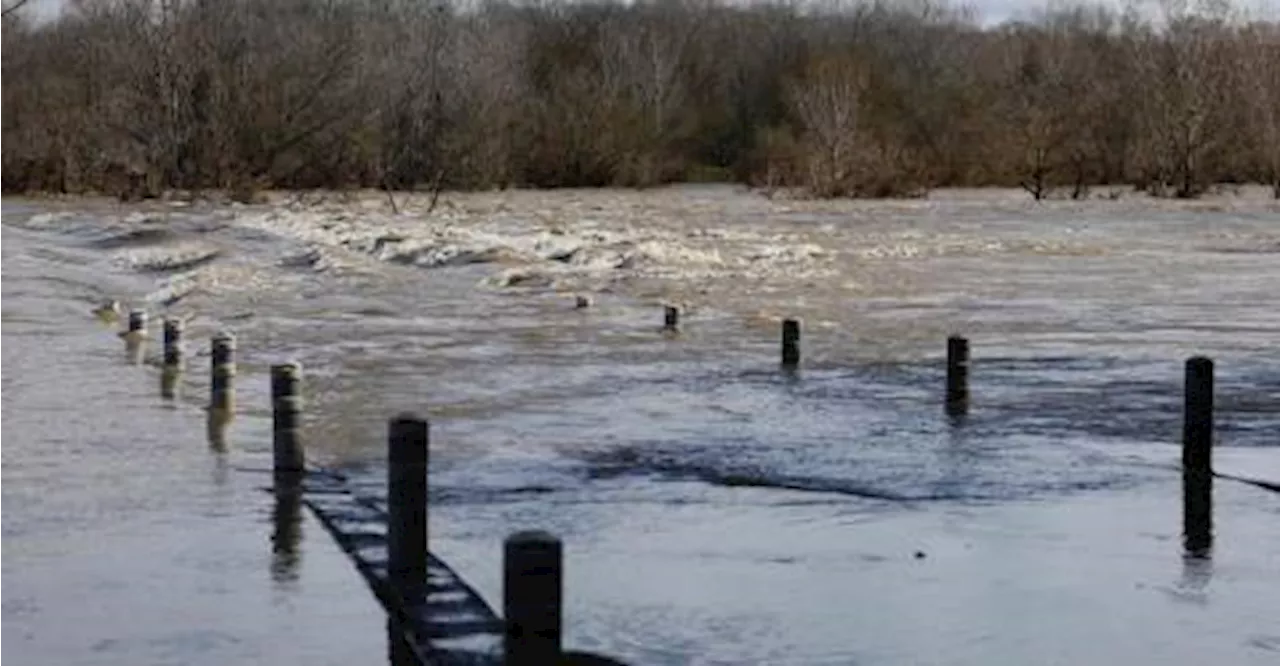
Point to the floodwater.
(714, 510)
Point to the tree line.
(863, 99)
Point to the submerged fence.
(434, 616)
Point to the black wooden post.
(172, 342)
(289, 458)
(222, 373)
(407, 459)
(138, 322)
(671, 318)
(790, 344)
(1197, 415)
(171, 370)
(957, 399)
(1197, 452)
(532, 598)
(135, 336)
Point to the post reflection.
(1197, 514)
(286, 533)
(135, 347)
(216, 426)
(170, 376)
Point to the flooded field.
(715, 511)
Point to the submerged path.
(452, 624)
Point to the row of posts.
(957, 386)
(533, 560)
(222, 368)
(1197, 427)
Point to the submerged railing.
(434, 616)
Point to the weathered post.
(957, 400)
(407, 459)
(790, 344)
(671, 318)
(136, 335)
(222, 370)
(1197, 415)
(172, 342)
(138, 322)
(286, 410)
(532, 598)
(171, 370)
(1197, 452)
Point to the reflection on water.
(217, 422)
(1197, 573)
(746, 503)
(286, 534)
(1197, 514)
(135, 347)
(170, 381)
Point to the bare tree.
(1187, 70)
(643, 59)
(15, 6)
(827, 103)
(1260, 45)
(843, 99)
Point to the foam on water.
(692, 452)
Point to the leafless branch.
(13, 7)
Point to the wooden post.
(532, 598)
(957, 399)
(399, 652)
(671, 318)
(407, 460)
(1197, 415)
(171, 370)
(1197, 452)
(138, 322)
(222, 370)
(286, 409)
(172, 342)
(790, 343)
(135, 337)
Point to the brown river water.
(714, 510)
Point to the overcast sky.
(992, 11)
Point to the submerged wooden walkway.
(449, 623)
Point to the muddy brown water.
(714, 510)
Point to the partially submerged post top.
(290, 369)
(532, 538)
(1200, 363)
(790, 343)
(409, 436)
